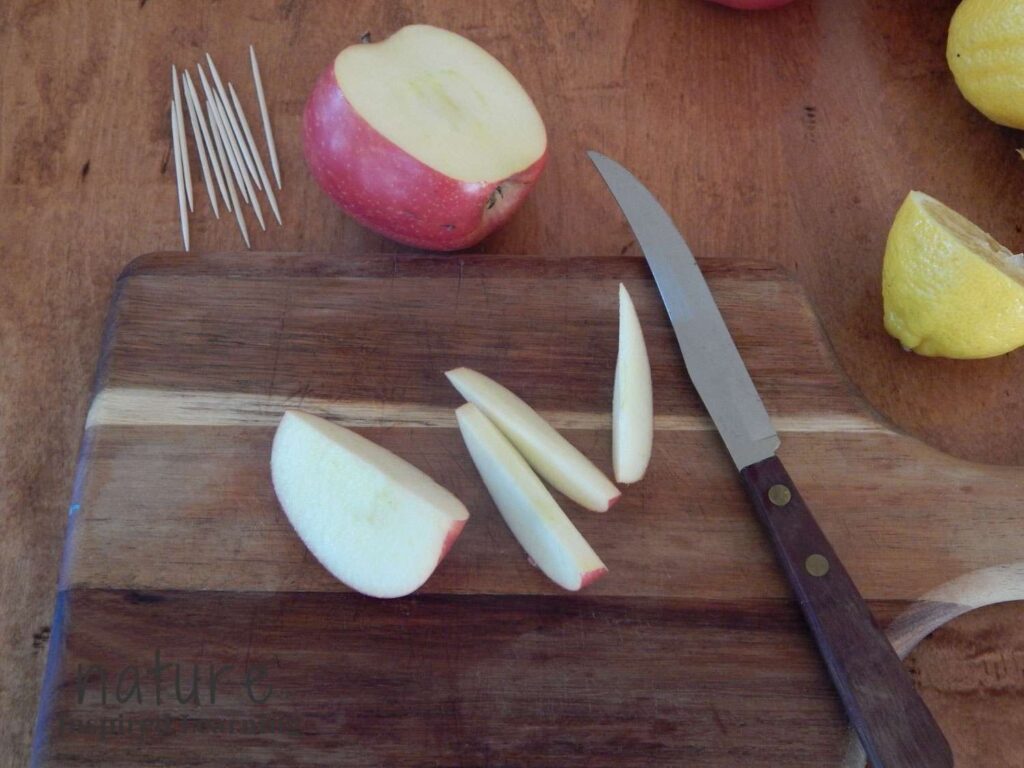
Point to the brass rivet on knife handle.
(779, 495)
(816, 565)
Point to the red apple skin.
(393, 193)
(752, 5)
(449, 540)
(591, 576)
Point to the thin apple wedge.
(373, 520)
(551, 455)
(529, 509)
(633, 401)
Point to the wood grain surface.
(786, 138)
(173, 505)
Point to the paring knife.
(894, 724)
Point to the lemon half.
(985, 51)
(948, 288)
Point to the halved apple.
(532, 514)
(424, 137)
(554, 457)
(373, 520)
(633, 401)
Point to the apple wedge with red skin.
(540, 526)
(424, 137)
(376, 522)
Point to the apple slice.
(531, 512)
(373, 520)
(554, 457)
(633, 401)
(424, 137)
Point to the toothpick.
(233, 122)
(211, 100)
(219, 142)
(236, 152)
(267, 132)
(177, 174)
(201, 150)
(255, 153)
(186, 169)
(193, 100)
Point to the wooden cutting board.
(690, 652)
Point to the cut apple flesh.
(444, 100)
(551, 455)
(373, 520)
(540, 526)
(633, 402)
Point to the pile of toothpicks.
(228, 155)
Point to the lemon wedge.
(985, 51)
(948, 288)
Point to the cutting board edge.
(276, 264)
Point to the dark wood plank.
(581, 681)
(615, 713)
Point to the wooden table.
(788, 137)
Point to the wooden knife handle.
(893, 722)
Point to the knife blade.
(709, 353)
(894, 725)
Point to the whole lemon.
(985, 51)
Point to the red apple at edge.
(424, 137)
